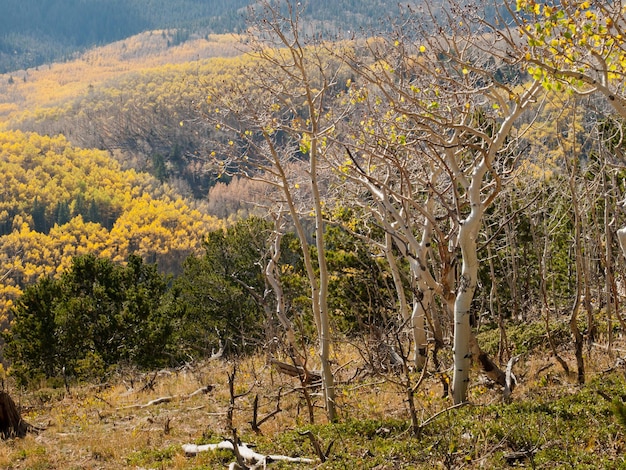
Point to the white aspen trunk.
(319, 285)
(418, 321)
(468, 233)
(272, 276)
(397, 279)
(421, 301)
(463, 302)
(423, 297)
(422, 279)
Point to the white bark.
(462, 305)
(320, 299)
(417, 318)
(468, 233)
(249, 456)
(273, 277)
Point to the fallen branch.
(310, 377)
(158, 401)
(436, 415)
(250, 457)
(317, 446)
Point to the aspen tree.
(434, 148)
(276, 124)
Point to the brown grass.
(99, 427)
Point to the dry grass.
(101, 428)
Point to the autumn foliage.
(59, 202)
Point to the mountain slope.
(59, 201)
(34, 32)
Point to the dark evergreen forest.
(33, 32)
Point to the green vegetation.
(59, 202)
(435, 222)
(96, 315)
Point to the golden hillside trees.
(59, 201)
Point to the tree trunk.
(463, 302)
(11, 422)
(320, 297)
(417, 318)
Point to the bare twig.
(317, 446)
(255, 423)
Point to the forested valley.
(33, 33)
(333, 239)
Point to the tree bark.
(11, 422)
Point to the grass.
(551, 422)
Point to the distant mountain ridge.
(34, 32)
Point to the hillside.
(130, 98)
(59, 201)
(143, 421)
(33, 33)
(436, 281)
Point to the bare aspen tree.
(275, 126)
(434, 144)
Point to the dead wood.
(323, 456)
(167, 399)
(250, 457)
(11, 422)
(256, 422)
(310, 377)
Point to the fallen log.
(309, 376)
(250, 457)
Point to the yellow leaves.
(535, 72)
(305, 144)
(422, 49)
(122, 196)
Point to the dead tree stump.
(11, 422)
